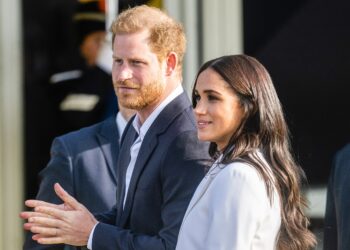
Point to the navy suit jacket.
(84, 163)
(170, 164)
(337, 218)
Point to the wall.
(10, 126)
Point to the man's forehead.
(131, 44)
(141, 35)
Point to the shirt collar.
(121, 123)
(142, 129)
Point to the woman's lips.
(202, 124)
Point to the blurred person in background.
(337, 217)
(84, 163)
(83, 93)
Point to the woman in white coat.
(250, 197)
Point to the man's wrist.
(89, 244)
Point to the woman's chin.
(203, 138)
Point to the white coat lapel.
(204, 185)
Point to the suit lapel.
(123, 163)
(149, 143)
(144, 154)
(108, 137)
(203, 186)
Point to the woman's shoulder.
(242, 182)
(241, 170)
(242, 174)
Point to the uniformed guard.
(83, 94)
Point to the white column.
(11, 163)
(185, 11)
(104, 59)
(112, 12)
(222, 28)
(221, 25)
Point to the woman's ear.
(171, 63)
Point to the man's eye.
(136, 62)
(118, 61)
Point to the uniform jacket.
(81, 97)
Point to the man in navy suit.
(161, 160)
(337, 218)
(83, 162)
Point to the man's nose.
(124, 73)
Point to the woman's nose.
(200, 108)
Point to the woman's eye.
(212, 98)
(197, 97)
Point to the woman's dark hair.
(263, 127)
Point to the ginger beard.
(141, 95)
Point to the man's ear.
(171, 63)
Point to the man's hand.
(69, 223)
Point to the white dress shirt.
(121, 124)
(141, 130)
